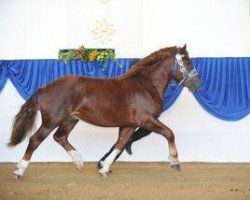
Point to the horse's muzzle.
(193, 84)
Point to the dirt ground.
(128, 181)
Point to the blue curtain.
(225, 82)
(225, 86)
(3, 74)
(171, 94)
(29, 75)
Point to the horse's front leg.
(155, 125)
(124, 135)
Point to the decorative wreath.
(85, 55)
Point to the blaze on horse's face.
(187, 74)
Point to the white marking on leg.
(21, 167)
(108, 161)
(173, 160)
(76, 158)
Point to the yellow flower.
(93, 55)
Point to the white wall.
(37, 29)
(215, 28)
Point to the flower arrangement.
(86, 54)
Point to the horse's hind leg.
(99, 166)
(137, 135)
(61, 136)
(34, 142)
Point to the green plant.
(84, 54)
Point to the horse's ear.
(183, 49)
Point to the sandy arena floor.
(129, 181)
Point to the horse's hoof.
(17, 174)
(79, 165)
(176, 167)
(17, 177)
(128, 149)
(104, 174)
(76, 159)
(99, 166)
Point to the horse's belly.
(107, 117)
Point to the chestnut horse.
(129, 101)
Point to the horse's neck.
(156, 78)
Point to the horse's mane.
(151, 59)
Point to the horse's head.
(184, 72)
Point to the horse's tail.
(24, 120)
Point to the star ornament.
(104, 1)
(103, 31)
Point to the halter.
(185, 74)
